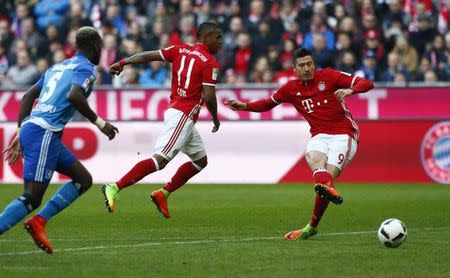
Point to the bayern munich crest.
(435, 152)
(321, 86)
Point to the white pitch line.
(215, 240)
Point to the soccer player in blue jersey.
(60, 91)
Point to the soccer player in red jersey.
(318, 95)
(194, 76)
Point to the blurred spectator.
(109, 53)
(17, 21)
(318, 26)
(424, 66)
(395, 12)
(3, 62)
(394, 67)
(6, 37)
(128, 77)
(263, 39)
(430, 77)
(70, 47)
(58, 56)
(243, 55)
(154, 75)
(153, 40)
(52, 33)
(425, 34)
(23, 73)
(256, 15)
(114, 17)
(287, 72)
(437, 53)
(369, 68)
(77, 16)
(349, 63)
(260, 66)
(51, 12)
(373, 43)
(408, 54)
(322, 56)
(273, 54)
(35, 42)
(344, 45)
(186, 27)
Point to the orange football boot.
(159, 198)
(329, 193)
(35, 226)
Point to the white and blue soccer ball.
(392, 233)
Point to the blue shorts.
(43, 153)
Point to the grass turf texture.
(237, 231)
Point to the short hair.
(205, 28)
(301, 52)
(86, 37)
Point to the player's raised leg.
(192, 146)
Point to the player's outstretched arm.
(137, 59)
(209, 95)
(78, 99)
(361, 85)
(261, 105)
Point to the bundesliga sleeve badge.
(435, 152)
(215, 73)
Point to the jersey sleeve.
(281, 95)
(343, 79)
(84, 77)
(210, 73)
(169, 54)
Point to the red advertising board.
(259, 152)
(149, 104)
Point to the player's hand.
(216, 125)
(110, 130)
(115, 69)
(235, 105)
(343, 93)
(13, 151)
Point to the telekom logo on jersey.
(308, 105)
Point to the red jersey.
(316, 102)
(192, 67)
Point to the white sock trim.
(156, 163)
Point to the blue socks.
(65, 195)
(13, 213)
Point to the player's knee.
(31, 202)
(160, 162)
(86, 182)
(202, 162)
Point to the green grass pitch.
(237, 231)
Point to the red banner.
(391, 151)
(150, 104)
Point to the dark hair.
(301, 52)
(205, 28)
(86, 37)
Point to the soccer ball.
(392, 233)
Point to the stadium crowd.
(382, 40)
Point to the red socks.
(137, 173)
(183, 174)
(323, 177)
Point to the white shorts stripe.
(175, 134)
(347, 154)
(43, 156)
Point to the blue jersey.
(53, 109)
